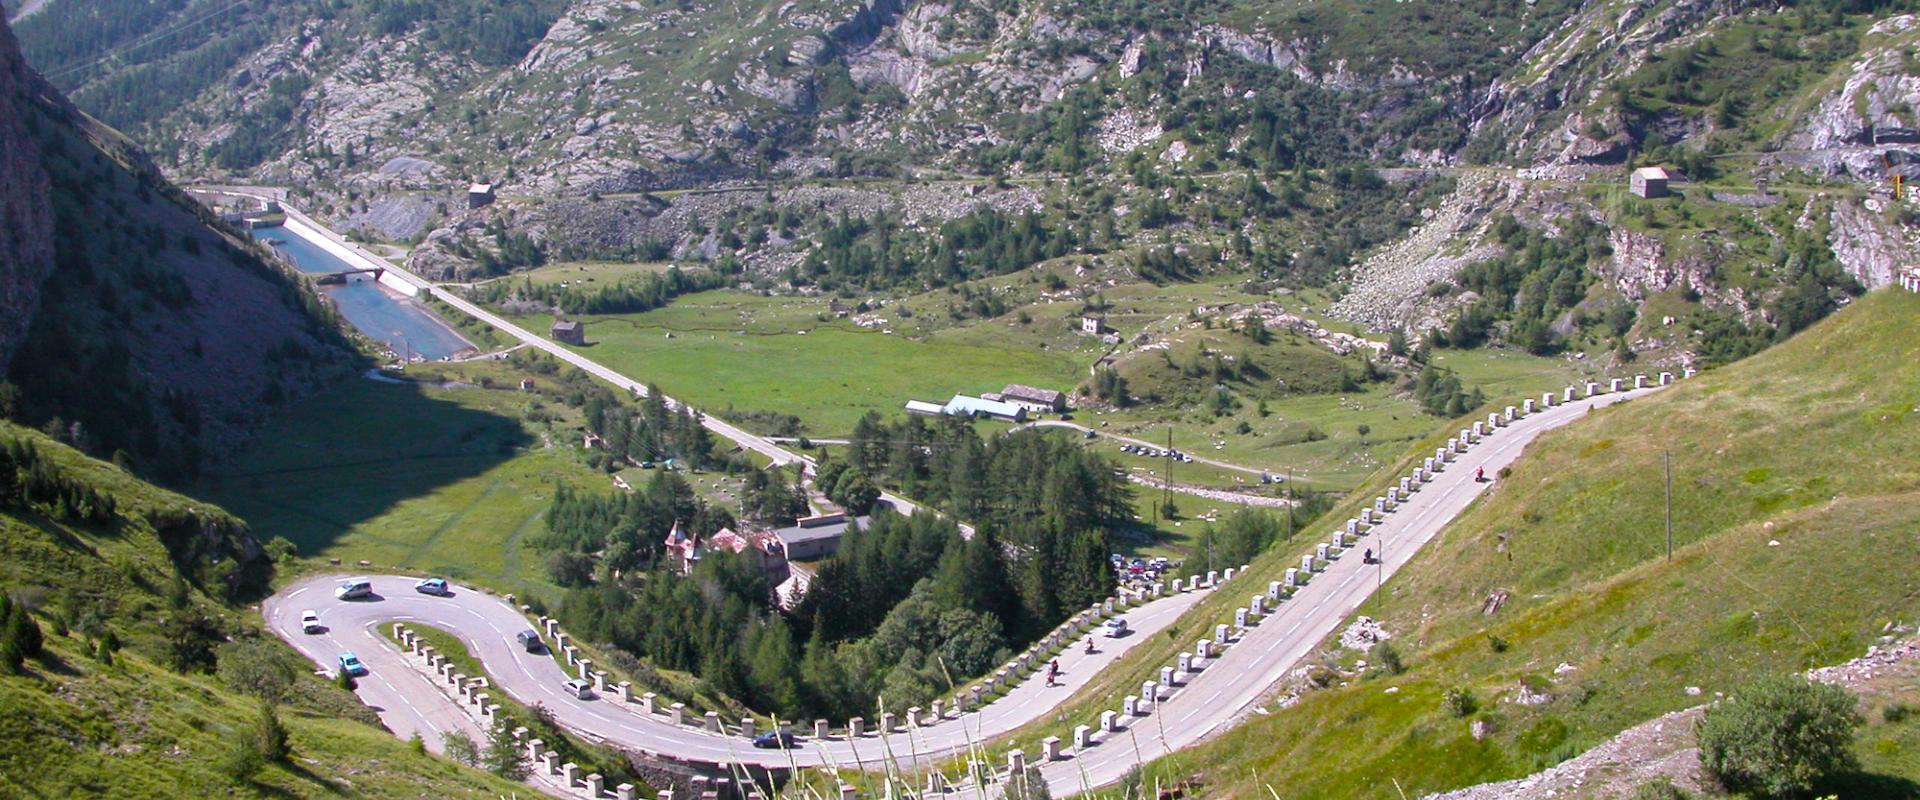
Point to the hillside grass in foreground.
(1797, 526)
(77, 728)
(79, 724)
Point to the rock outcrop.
(1388, 289)
(26, 227)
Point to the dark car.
(530, 640)
(775, 740)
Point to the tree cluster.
(1440, 393)
(1248, 532)
(20, 637)
(1533, 284)
(629, 296)
(28, 479)
(907, 608)
(1110, 386)
(624, 531)
(650, 433)
(877, 252)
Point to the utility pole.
(1380, 576)
(1666, 461)
(1166, 473)
(1289, 488)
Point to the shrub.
(501, 756)
(461, 749)
(1895, 713)
(1496, 644)
(269, 736)
(255, 667)
(1029, 785)
(1778, 736)
(1459, 701)
(1386, 659)
(241, 761)
(1661, 789)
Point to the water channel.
(376, 311)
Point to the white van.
(354, 587)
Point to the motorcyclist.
(1367, 557)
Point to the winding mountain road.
(1209, 701)
(1051, 423)
(410, 700)
(1253, 664)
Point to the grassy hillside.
(1795, 517)
(444, 480)
(125, 700)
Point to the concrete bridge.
(335, 278)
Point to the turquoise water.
(401, 324)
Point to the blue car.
(775, 740)
(433, 586)
(350, 664)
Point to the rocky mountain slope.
(616, 95)
(26, 229)
(137, 325)
(676, 116)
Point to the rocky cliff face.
(26, 228)
(131, 316)
(1539, 106)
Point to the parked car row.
(358, 588)
(1138, 573)
(1154, 452)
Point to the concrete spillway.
(373, 306)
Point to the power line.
(149, 39)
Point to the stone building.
(1030, 398)
(1648, 182)
(570, 331)
(479, 195)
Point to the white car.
(310, 622)
(354, 587)
(581, 689)
(1115, 628)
